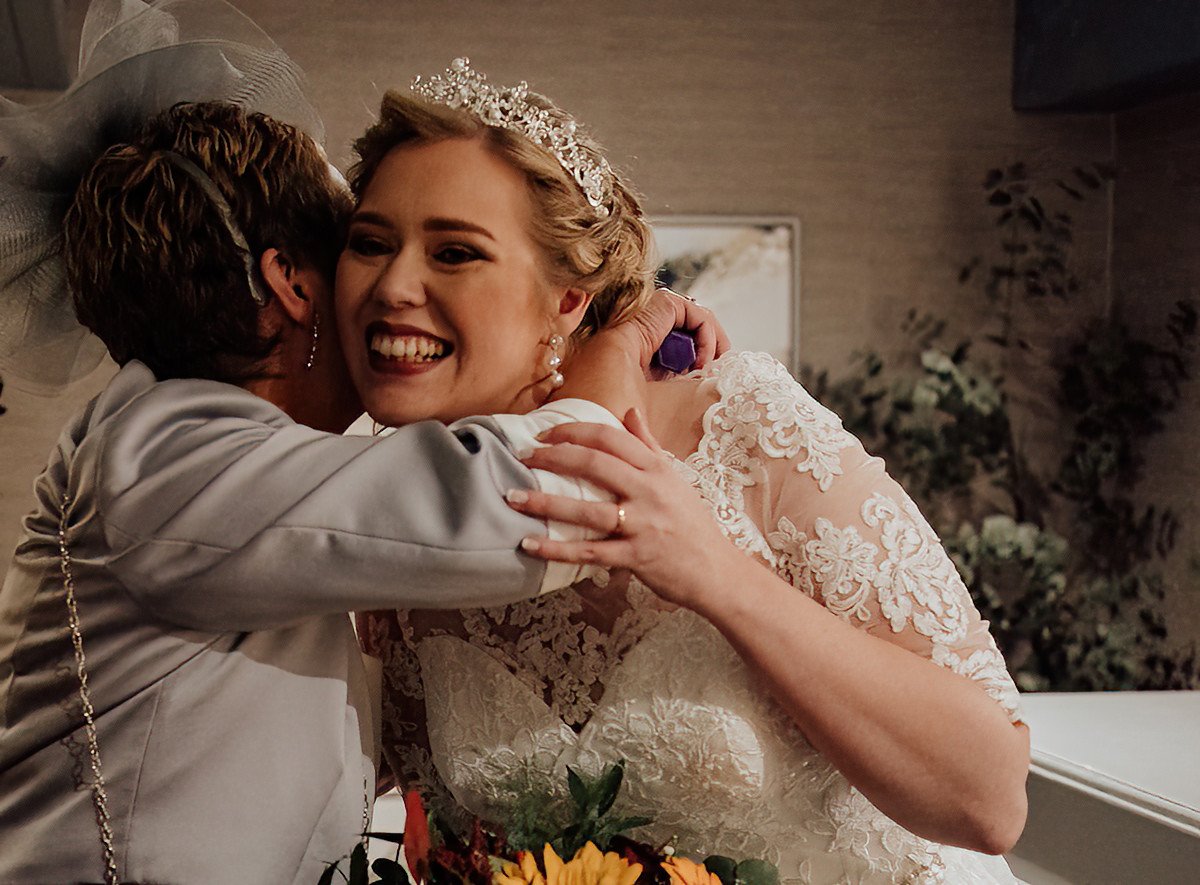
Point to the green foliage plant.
(533, 821)
(1061, 558)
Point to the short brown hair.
(608, 257)
(153, 270)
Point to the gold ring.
(620, 527)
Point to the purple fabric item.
(677, 353)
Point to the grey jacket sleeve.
(220, 513)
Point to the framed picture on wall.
(745, 268)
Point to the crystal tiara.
(464, 88)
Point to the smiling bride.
(771, 636)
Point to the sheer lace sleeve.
(830, 520)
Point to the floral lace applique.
(790, 422)
(917, 580)
(862, 830)
(790, 556)
(907, 578)
(842, 564)
(549, 644)
(985, 666)
(762, 415)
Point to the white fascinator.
(135, 59)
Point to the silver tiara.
(466, 89)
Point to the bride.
(769, 632)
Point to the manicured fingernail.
(525, 454)
(531, 545)
(541, 437)
(516, 496)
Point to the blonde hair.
(610, 258)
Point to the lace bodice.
(480, 703)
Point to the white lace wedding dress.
(478, 703)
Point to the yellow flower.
(687, 872)
(524, 872)
(589, 866)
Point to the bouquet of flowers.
(539, 847)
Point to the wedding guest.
(181, 691)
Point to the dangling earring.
(312, 353)
(554, 361)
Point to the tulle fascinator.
(136, 59)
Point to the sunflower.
(589, 866)
(687, 872)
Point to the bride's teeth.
(416, 348)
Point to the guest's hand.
(659, 528)
(667, 310)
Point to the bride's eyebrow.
(456, 224)
(369, 217)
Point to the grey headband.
(231, 226)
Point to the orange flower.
(524, 872)
(417, 843)
(687, 872)
(589, 866)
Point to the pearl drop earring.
(312, 353)
(554, 361)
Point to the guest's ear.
(287, 283)
(572, 307)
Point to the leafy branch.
(1061, 559)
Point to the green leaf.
(570, 841)
(1070, 190)
(757, 872)
(620, 824)
(607, 787)
(579, 790)
(390, 872)
(358, 865)
(724, 868)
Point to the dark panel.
(1103, 55)
(33, 53)
(13, 72)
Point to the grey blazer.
(216, 547)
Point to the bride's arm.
(925, 744)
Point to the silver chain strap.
(99, 794)
(366, 813)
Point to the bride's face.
(444, 307)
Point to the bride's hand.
(659, 528)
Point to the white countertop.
(1139, 750)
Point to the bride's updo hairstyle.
(609, 257)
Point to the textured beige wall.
(1156, 262)
(872, 122)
